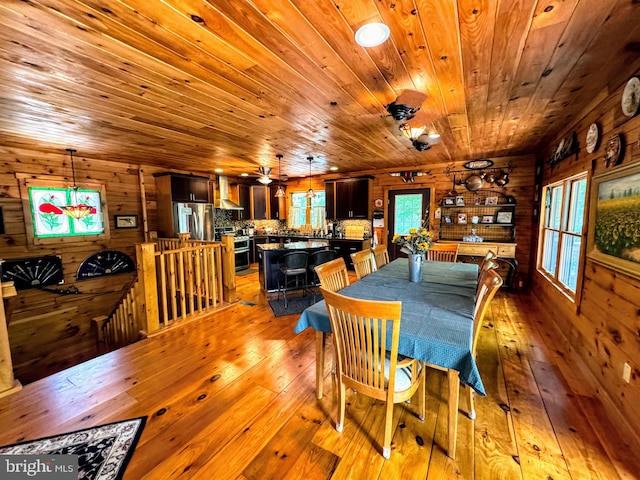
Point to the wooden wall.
(602, 332)
(50, 331)
(521, 186)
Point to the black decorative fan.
(106, 262)
(32, 272)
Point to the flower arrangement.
(418, 241)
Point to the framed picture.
(449, 201)
(505, 216)
(462, 218)
(491, 201)
(487, 219)
(614, 232)
(460, 201)
(446, 219)
(126, 221)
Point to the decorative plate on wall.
(478, 164)
(631, 97)
(32, 272)
(106, 262)
(613, 151)
(593, 137)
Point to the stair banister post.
(228, 269)
(146, 263)
(8, 383)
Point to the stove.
(240, 245)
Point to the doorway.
(408, 208)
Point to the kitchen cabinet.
(241, 194)
(277, 206)
(348, 198)
(184, 188)
(345, 247)
(259, 201)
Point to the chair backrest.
(380, 255)
(294, 260)
(443, 252)
(362, 263)
(488, 262)
(321, 256)
(360, 332)
(488, 285)
(333, 275)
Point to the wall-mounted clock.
(106, 262)
(32, 272)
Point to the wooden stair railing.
(178, 280)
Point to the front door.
(407, 209)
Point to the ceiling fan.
(406, 105)
(265, 175)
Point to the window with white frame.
(561, 232)
(303, 211)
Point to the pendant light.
(75, 209)
(280, 191)
(310, 192)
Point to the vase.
(415, 267)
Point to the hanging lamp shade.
(75, 209)
(280, 193)
(310, 192)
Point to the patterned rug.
(103, 451)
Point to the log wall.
(602, 331)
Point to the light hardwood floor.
(232, 397)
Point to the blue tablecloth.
(437, 313)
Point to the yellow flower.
(395, 237)
(413, 231)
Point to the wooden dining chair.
(380, 255)
(443, 252)
(488, 262)
(487, 288)
(360, 332)
(333, 275)
(362, 263)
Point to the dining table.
(436, 325)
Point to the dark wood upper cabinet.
(259, 193)
(277, 206)
(184, 188)
(242, 196)
(348, 198)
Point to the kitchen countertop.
(294, 245)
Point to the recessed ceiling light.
(333, 168)
(372, 34)
(244, 174)
(218, 170)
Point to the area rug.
(295, 305)
(103, 451)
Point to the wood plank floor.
(232, 397)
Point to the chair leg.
(388, 423)
(422, 391)
(471, 412)
(342, 392)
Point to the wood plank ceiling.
(196, 85)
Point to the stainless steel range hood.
(223, 202)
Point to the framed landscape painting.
(614, 219)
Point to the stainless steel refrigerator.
(194, 218)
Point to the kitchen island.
(269, 255)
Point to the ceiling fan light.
(264, 180)
(372, 34)
(412, 133)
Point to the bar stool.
(315, 259)
(294, 266)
